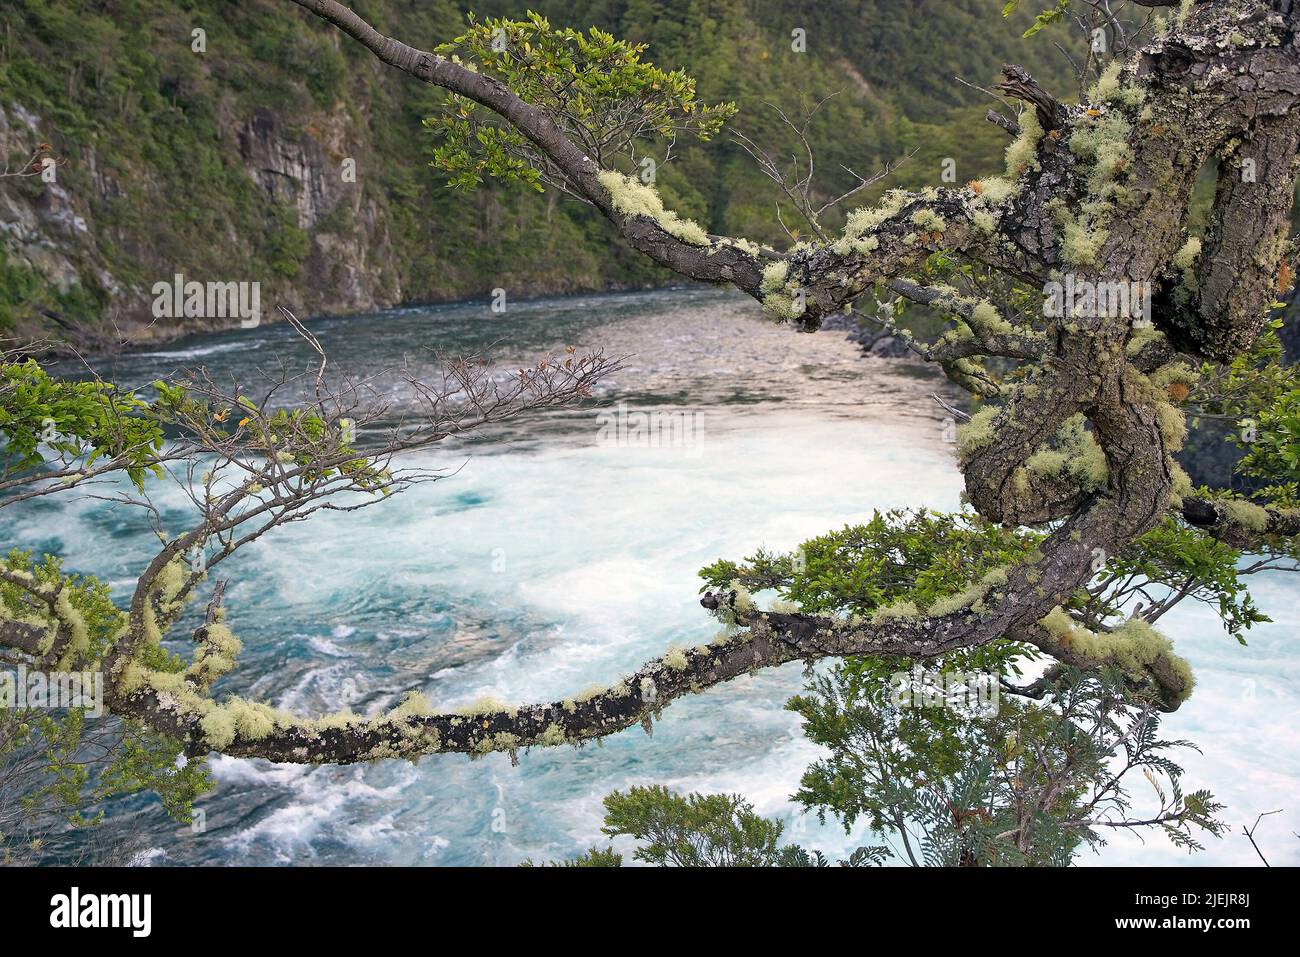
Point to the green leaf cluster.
(595, 87)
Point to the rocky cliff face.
(40, 223)
(317, 177)
(331, 234)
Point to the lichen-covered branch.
(1080, 441)
(755, 639)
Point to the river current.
(549, 559)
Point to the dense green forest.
(226, 162)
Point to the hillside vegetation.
(227, 164)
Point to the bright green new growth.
(887, 569)
(75, 419)
(713, 830)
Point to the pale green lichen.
(1132, 97)
(986, 317)
(253, 720)
(898, 610)
(552, 736)
(675, 659)
(1173, 425)
(744, 601)
(77, 630)
(1077, 455)
(1172, 372)
(413, 705)
(1134, 647)
(779, 292)
(597, 690)
(996, 190)
(237, 720)
(1107, 86)
(1180, 485)
(1142, 337)
(1101, 144)
(340, 720)
(216, 655)
(977, 433)
(1022, 154)
(740, 606)
(862, 221)
(720, 637)
(867, 244)
(972, 596)
(784, 606)
(219, 728)
(774, 274)
(1185, 260)
(634, 198)
(780, 306)
(487, 705)
(745, 245)
(929, 219)
(1246, 514)
(1080, 246)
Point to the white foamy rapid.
(551, 561)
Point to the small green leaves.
(71, 419)
(1261, 392)
(1177, 557)
(916, 556)
(1046, 18)
(595, 88)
